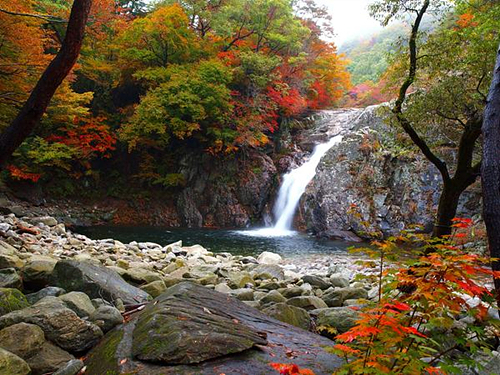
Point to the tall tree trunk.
(58, 69)
(491, 170)
(447, 209)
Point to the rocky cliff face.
(225, 193)
(368, 182)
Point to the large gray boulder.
(171, 331)
(189, 323)
(59, 324)
(96, 281)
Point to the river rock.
(72, 367)
(48, 359)
(37, 272)
(291, 292)
(155, 288)
(106, 317)
(340, 318)
(46, 220)
(195, 251)
(238, 279)
(335, 298)
(50, 291)
(339, 281)
(223, 288)
(272, 297)
(10, 279)
(140, 276)
(11, 364)
(9, 257)
(243, 294)
(96, 281)
(12, 300)
(307, 302)
(22, 339)
(316, 281)
(200, 305)
(60, 324)
(269, 258)
(268, 271)
(289, 314)
(79, 302)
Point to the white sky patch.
(351, 19)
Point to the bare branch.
(45, 17)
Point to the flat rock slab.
(96, 281)
(206, 310)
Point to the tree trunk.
(491, 171)
(56, 72)
(447, 209)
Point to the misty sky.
(350, 19)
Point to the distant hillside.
(368, 55)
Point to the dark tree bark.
(466, 173)
(491, 170)
(40, 97)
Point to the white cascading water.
(293, 187)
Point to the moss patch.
(12, 300)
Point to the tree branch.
(45, 17)
(403, 92)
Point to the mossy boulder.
(11, 300)
(12, 364)
(174, 330)
(206, 315)
(340, 318)
(28, 342)
(289, 314)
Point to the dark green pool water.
(218, 241)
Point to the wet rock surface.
(281, 339)
(96, 281)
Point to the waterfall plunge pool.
(236, 242)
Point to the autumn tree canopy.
(216, 76)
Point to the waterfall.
(294, 185)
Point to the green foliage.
(368, 57)
(193, 98)
(161, 38)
